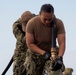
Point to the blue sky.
(11, 10)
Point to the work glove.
(57, 63)
(47, 55)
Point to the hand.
(47, 55)
(57, 64)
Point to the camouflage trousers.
(68, 71)
(36, 65)
(18, 67)
(19, 58)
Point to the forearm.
(36, 49)
(61, 49)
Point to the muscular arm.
(61, 42)
(31, 45)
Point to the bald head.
(25, 17)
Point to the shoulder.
(59, 21)
(32, 24)
(34, 19)
(60, 26)
(17, 22)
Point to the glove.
(57, 64)
(47, 55)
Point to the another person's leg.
(18, 67)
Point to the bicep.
(29, 39)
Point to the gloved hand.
(57, 64)
(47, 55)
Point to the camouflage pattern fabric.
(20, 51)
(47, 69)
(68, 71)
(36, 65)
(17, 29)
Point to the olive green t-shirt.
(42, 33)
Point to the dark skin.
(46, 19)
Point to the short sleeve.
(30, 26)
(60, 27)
